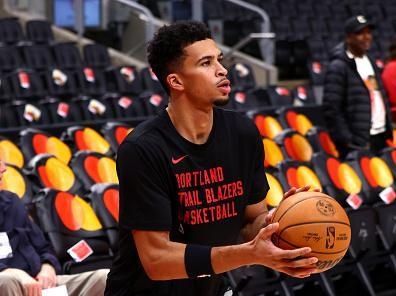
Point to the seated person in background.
(32, 265)
(389, 74)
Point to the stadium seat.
(10, 31)
(93, 168)
(302, 118)
(39, 32)
(67, 56)
(10, 153)
(60, 83)
(62, 111)
(303, 95)
(86, 138)
(14, 180)
(10, 59)
(150, 81)
(34, 142)
(68, 219)
(267, 123)
(26, 84)
(317, 70)
(297, 174)
(96, 56)
(104, 199)
(257, 280)
(279, 96)
(389, 156)
(49, 172)
(294, 145)
(241, 76)
(374, 172)
(124, 80)
(92, 109)
(320, 140)
(153, 102)
(28, 114)
(115, 133)
(275, 194)
(38, 57)
(91, 82)
(338, 178)
(126, 106)
(273, 154)
(242, 100)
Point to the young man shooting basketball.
(192, 180)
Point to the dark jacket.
(29, 247)
(347, 101)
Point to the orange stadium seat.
(68, 219)
(50, 172)
(296, 174)
(10, 153)
(374, 172)
(320, 140)
(338, 178)
(34, 142)
(105, 202)
(14, 180)
(275, 194)
(115, 133)
(267, 124)
(294, 145)
(92, 168)
(86, 138)
(273, 154)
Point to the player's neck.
(192, 123)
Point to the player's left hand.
(47, 276)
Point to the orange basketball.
(315, 220)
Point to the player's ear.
(174, 82)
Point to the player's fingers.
(302, 189)
(289, 193)
(292, 254)
(268, 230)
(303, 262)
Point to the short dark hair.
(166, 49)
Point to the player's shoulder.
(239, 122)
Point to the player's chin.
(221, 101)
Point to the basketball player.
(191, 181)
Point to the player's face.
(359, 43)
(3, 168)
(203, 76)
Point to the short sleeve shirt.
(196, 192)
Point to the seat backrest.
(96, 56)
(124, 80)
(39, 57)
(10, 31)
(105, 202)
(241, 75)
(67, 56)
(39, 31)
(294, 145)
(14, 180)
(115, 133)
(93, 168)
(9, 59)
(67, 219)
(27, 84)
(150, 81)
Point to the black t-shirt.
(196, 192)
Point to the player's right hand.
(292, 262)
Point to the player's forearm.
(250, 230)
(170, 263)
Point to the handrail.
(150, 29)
(267, 46)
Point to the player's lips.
(224, 85)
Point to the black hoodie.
(347, 101)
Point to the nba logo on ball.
(315, 220)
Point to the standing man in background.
(356, 106)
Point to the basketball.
(315, 220)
